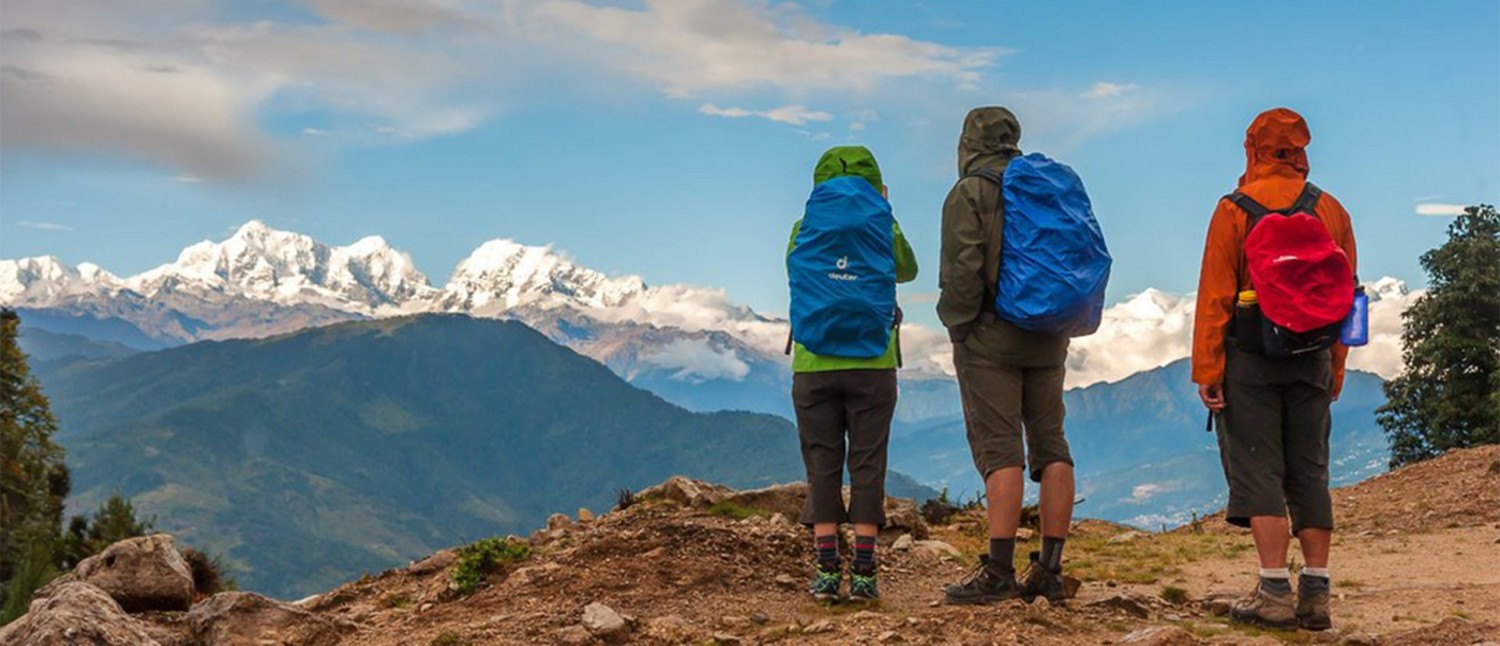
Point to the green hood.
(845, 161)
(990, 138)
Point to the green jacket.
(844, 161)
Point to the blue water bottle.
(1356, 329)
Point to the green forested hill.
(310, 458)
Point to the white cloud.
(314, 132)
(695, 360)
(1105, 89)
(793, 114)
(186, 179)
(1145, 492)
(686, 47)
(1440, 209)
(43, 226)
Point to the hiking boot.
(1266, 609)
(988, 583)
(1312, 603)
(862, 585)
(1038, 581)
(827, 581)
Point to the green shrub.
(1174, 595)
(208, 573)
(479, 560)
(735, 510)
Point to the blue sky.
(676, 139)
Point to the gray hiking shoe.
(1263, 608)
(1312, 603)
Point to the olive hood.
(990, 138)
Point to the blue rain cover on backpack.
(1054, 265)
(842, 271)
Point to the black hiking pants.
(1274, 438)
(845, 413)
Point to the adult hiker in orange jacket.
(1275, 413)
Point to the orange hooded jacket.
(1275, 172)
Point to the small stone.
(557, 522)
(1359, 639)
(1024, 534)
(938, 548)
(785, 580)
(574, 634)
(1160, 636)
(603, 622)
(823, 626)
(759, 618)
(726, 639)
(890, 637)
(424, 607)
(903, 543)
(1124, 603)
(734, 621)
(779, 518)
(584, 515)
(1111, 584)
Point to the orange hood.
(1276, 146)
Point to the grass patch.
(395, 600)
(1150, 559)
(1354, 584)
(448, 638)
(729, 509)
(1174, 595)
(479, 560)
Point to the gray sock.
(1275, 585)
(1312, 583)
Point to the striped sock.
(828, 550)
(864, 552)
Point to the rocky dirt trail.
(1417, 561)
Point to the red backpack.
(1302, 279)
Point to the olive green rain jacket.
(970, 259)
(855, 161)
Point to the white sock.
(1315, 571)
(1275, 573)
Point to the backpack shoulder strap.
(993, 175)
(1307, 202)
(1252, 208)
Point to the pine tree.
(33, 477)
(1448, 395)
(114, 521)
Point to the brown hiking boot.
(1312, 603)
(1263, 608)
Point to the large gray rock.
(76, 613)
(249, 619)
(141, 574)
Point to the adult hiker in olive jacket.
(1009, 379)
(844, 407)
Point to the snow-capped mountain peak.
(45, 278)
(503, 274)
(262, 263)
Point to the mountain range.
(690, 344)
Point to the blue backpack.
(1054, 265)
(842, 271)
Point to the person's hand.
(1212, 396)
(1338, 389)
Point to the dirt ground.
(1417, 562)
